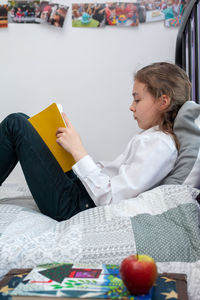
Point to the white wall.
(89, 71)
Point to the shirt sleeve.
(150, 160)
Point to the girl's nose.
(132, 107)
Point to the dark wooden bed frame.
(188, 44)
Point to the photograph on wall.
(51, 13)
(3, 15)
(22, 11)
(122, 13)
(153, 10)
(174, 12)
(88, 14)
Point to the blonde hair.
(163, 78)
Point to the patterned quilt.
(163, 222)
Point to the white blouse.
(147, 159)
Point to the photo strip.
(128, 13)
(124, 14)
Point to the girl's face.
(146, 109)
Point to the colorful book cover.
(10, 281)
(46, 124)
(76, 281)
(170, 286)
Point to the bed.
(163, 222)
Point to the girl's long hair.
(163, 78)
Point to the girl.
(159, 91)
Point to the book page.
(60, 108)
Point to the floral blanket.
(163, 222)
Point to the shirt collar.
(152, 129)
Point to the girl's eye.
(137, 100)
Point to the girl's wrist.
(79, 155)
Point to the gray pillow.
(187, 129)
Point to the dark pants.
(58, 195)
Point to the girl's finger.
(59, 135)
(66, 119)
(61, 129)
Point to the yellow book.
(46, 124)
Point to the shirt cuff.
(84, 166)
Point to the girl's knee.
(23, 115)
(14, 121)
(17, 116)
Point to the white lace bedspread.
(105, 234)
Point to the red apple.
(138, 273)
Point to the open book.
(46, 124)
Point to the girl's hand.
(70, 140)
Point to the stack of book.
(73, 281)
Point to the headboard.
(187, 46)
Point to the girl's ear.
(165, 101)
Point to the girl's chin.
(142, 126)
